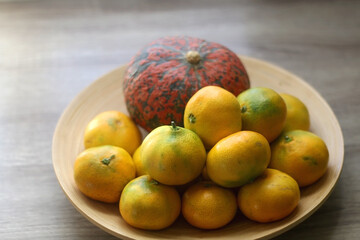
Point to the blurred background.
(51, 50)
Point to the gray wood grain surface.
(51, 50)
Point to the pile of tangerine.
(251, 152)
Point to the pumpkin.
(161, 77)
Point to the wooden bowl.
(106, 94)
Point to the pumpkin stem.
(173, 126)
(193, 57)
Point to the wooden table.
(51, 50)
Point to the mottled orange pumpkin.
(161, 77)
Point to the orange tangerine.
(112, 128)
(301, 154)
(272, 196)
(297, 116)
(102, 172)
(139, 165)
(208, 206)
(213, 113)
(238, 159)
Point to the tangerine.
(213, 113)
(147, 204)
(173, 155)
(208, 206)
(272, 196)
(112, 128)
(301, 154)
(139, 165)
(297, 116)
(102, 172)
(263, 111)
(238, 159)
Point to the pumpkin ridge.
(170, 70)
(198, 78)
(201, 46)
(143, 67)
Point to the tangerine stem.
(106, 161)
(173, 126)
(287, 139)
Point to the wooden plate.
(106, 94)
